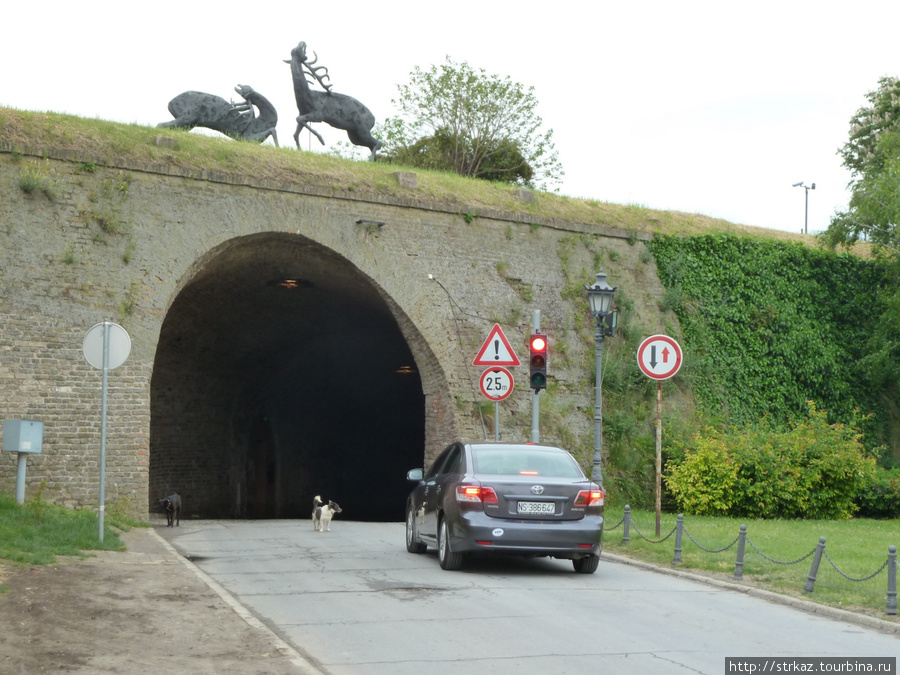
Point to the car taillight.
(476, 494)
(589, 498)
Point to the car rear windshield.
(518, 461)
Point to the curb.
(770, 596)
(305, 666)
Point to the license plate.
(536, 508)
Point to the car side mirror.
(415, 474)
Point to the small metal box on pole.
(24, 437)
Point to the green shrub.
(704, 483)
(812, 470)
(881, 497)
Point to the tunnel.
(282, 374)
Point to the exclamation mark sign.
(496, 350)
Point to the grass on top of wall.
(97, 142)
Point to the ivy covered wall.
(769, 325)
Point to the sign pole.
(535, 394)
(658, 453)
(105, 370)
(106, 347)
(659, 358)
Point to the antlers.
(320, 78)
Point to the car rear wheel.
(587, 564)
(448, 559)
(413, 545)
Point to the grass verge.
(858, 548)
(35, 532)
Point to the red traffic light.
(537, 346)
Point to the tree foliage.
(874, 209)
(861, 154)
(872, 154)
(455, 118)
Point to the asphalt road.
(355, 601)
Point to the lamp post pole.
(596, 470)
(806, 206)
(600, 297)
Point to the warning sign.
(496, 350)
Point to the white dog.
(323, 513)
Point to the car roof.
(512, 444)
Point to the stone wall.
(120, 242)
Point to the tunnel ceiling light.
(289, 283)
(405, 370)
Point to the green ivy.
(770, 325)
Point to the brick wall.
(120, 243)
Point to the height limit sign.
(496, 383)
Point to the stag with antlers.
(338, 110)
(238, 120)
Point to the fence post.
(814, 568)
(892, 581)
(678, 528)
(739, 563)
(627, 523)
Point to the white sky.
(708, 107)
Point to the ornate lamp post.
(600, 297)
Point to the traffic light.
(537, 347)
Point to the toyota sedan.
(508, 498)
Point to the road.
(355, 601)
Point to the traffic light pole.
(535, 394)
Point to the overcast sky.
(704, 107)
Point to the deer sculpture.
(237, 120)
(338, 110)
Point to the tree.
(454, 118)
(872, 153)
(860, 154)
(874, 210)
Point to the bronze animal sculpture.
(237, 120)
(338, 110)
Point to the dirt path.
(127, 613)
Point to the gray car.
(510, 498)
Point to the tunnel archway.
(281, 373)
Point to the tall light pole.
(600, 297)
(806, 211)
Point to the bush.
(704, 483)
(813, 470)
(881, 497)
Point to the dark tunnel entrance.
(281, 374)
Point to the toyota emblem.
(537, 489)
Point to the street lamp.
(600, 297)
(806, 212)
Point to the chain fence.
(741, 541)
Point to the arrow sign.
(659, 357)
(496, 350)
